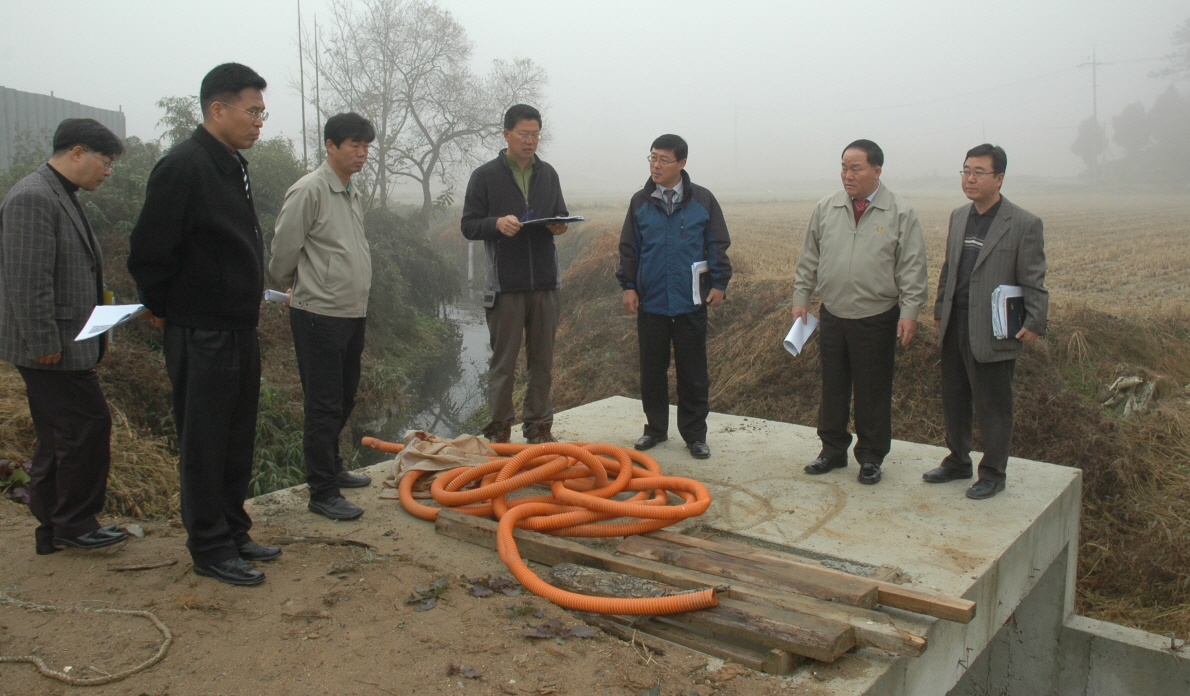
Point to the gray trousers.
(531, 317)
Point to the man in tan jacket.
(320, 252)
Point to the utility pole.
(1094, 63)
(302, 73)
(317, 83)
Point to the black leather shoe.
(699, 449)
(235, 571)
(648, 442)
(869, 473)
(824, 465)
(92, 540)
(346, 479)
(46, 549)
(252, 551)
(984, 489)
(943, 474)
(337, 508)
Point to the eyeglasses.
(974, 174)
(654, 159)
(108, 165)
(254, 114)
(528, 137)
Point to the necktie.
(669, 200)
(861, 204)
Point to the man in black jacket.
(196, 254)
(521, 293)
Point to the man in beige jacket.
(320, 252)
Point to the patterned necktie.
(669, 200)
(861, 204)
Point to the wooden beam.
(872, 628)
(822, 583)
(888, 594)
(758, 658)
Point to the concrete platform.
(994, 552)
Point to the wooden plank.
(872, 628)
(807, 580)
(774, 661)
(790, 631)
(888, 594)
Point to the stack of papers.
(696, 270)
(1008, 311)
(106, 317)
(796, 339)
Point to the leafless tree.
(404, 64)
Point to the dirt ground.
(328, 619)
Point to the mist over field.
(766, 93)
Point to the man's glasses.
(108, 165)
(654, 159)
(528, 137)
(974, 174)
(254, 114)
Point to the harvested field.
(1119, 273)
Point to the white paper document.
(554, 220)
(1000, 311)
(795, 340)
(277, 296)
(106, 317)
(696, 270)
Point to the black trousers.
(688, 335)
(328, 357)
(857, 355)
(982, 390)
(73, 451)
(216, 388)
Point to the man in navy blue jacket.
(671, 225)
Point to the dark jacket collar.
(651, 186)
(227, 160)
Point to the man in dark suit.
(991, 243)
(197, 256)
(51, 280)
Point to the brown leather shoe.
(543, 436)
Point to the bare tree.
(1179, 59)
(404, 64)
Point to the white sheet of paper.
(106, 317)
(696, 270)
(277, 296)
(795, 340)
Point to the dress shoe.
(984, 489)
(648, 442)
(943, 474)
(869, 473)
(824, 465)
(252, 551)
(346, 479)
(337, 508)
(46, 549)
(92, 540)
(234, 571)
(699, 449)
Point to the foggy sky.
(766, 93)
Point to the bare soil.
(327, 620)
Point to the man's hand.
(714, 297)
(800, 312)
(905, 330)
(508, 225)
(557, 228)
(289, 291)
(156, 321)
(631, 301)
(1026, 335)
(49, 359)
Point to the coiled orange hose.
(583, 480)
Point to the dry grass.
(1118, 273)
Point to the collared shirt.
(977, 230)
(866, 268)
(869, 197)
(659, 192)
(319, 249)
(522, 177)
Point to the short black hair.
(871, 149)
(89, 133)
(225, 82)
(999, 157)
(669, 141)
(518, 113)
(340, 127)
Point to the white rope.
(78, 681)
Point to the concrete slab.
(992, 552)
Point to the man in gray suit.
(991, 243)
(51, 279)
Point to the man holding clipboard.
(992, 243)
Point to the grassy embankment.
(1119, 270)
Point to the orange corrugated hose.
(583, 478)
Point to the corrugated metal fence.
(38, 115)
